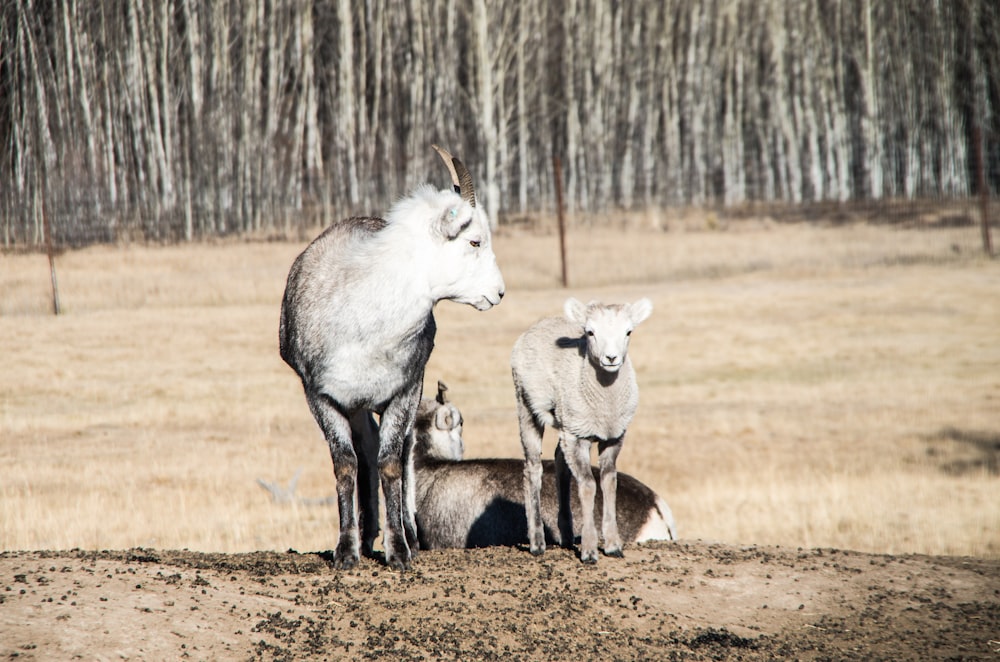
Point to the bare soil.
(664, 601)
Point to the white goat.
(573, 373)
(480, 502)
(357, 325)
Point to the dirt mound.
(688, 601)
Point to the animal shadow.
(971, 451)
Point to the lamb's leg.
(364, 430)
(337, 430)
(577, 452)
(531, 442)
(608, 458)
(395, 427)
(566, 537)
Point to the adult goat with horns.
(357, 325)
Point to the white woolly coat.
(564, 389)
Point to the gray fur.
(480, 502)
(357, 326)
(574, 374)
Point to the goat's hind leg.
(337, 431)
(395, 433)
(364, 431)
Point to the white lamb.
(573, 373)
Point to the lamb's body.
(357, 326)
(573, 373)
(562, 389)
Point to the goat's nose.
(501, 294)
(610, 358)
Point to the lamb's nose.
(501, 294)
(611, 359)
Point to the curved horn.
(441, 389)
(460, 177)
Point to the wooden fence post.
(47, 229)
(984, 191)
(561, 213)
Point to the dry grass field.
(807, 385)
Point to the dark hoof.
(589, 560)
(616, 553)
(345, 561)
(399, 564)
(537, 551)
(346, 555)
(398, 554)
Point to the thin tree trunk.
(871, 137)
(521, 107)
(347, 103)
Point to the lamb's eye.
(629, 332)
(475, 243)
(590, 333)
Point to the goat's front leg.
(410, 494)
(337, 430)
(531, 441)
(608, 458)
(577, 452)
(395, 429)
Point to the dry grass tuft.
(801, 384)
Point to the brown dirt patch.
(689, 601)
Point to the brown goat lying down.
(480, 502)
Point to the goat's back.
(317, 269)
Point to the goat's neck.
(404, 295)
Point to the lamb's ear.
(453, 220)
(575, 311)
(639, 311)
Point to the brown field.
(802, 385)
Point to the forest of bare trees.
(179, 119)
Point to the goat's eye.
(475, 243)
(629, 332)
(590, 333)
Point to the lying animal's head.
(438, 428)
(461, 264)
(607, 328)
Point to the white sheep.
(357, 326)
(480, 502)
(574, 374)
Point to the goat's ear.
(575, 311)
(639, 311)
(453, 220)
(443, 418)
